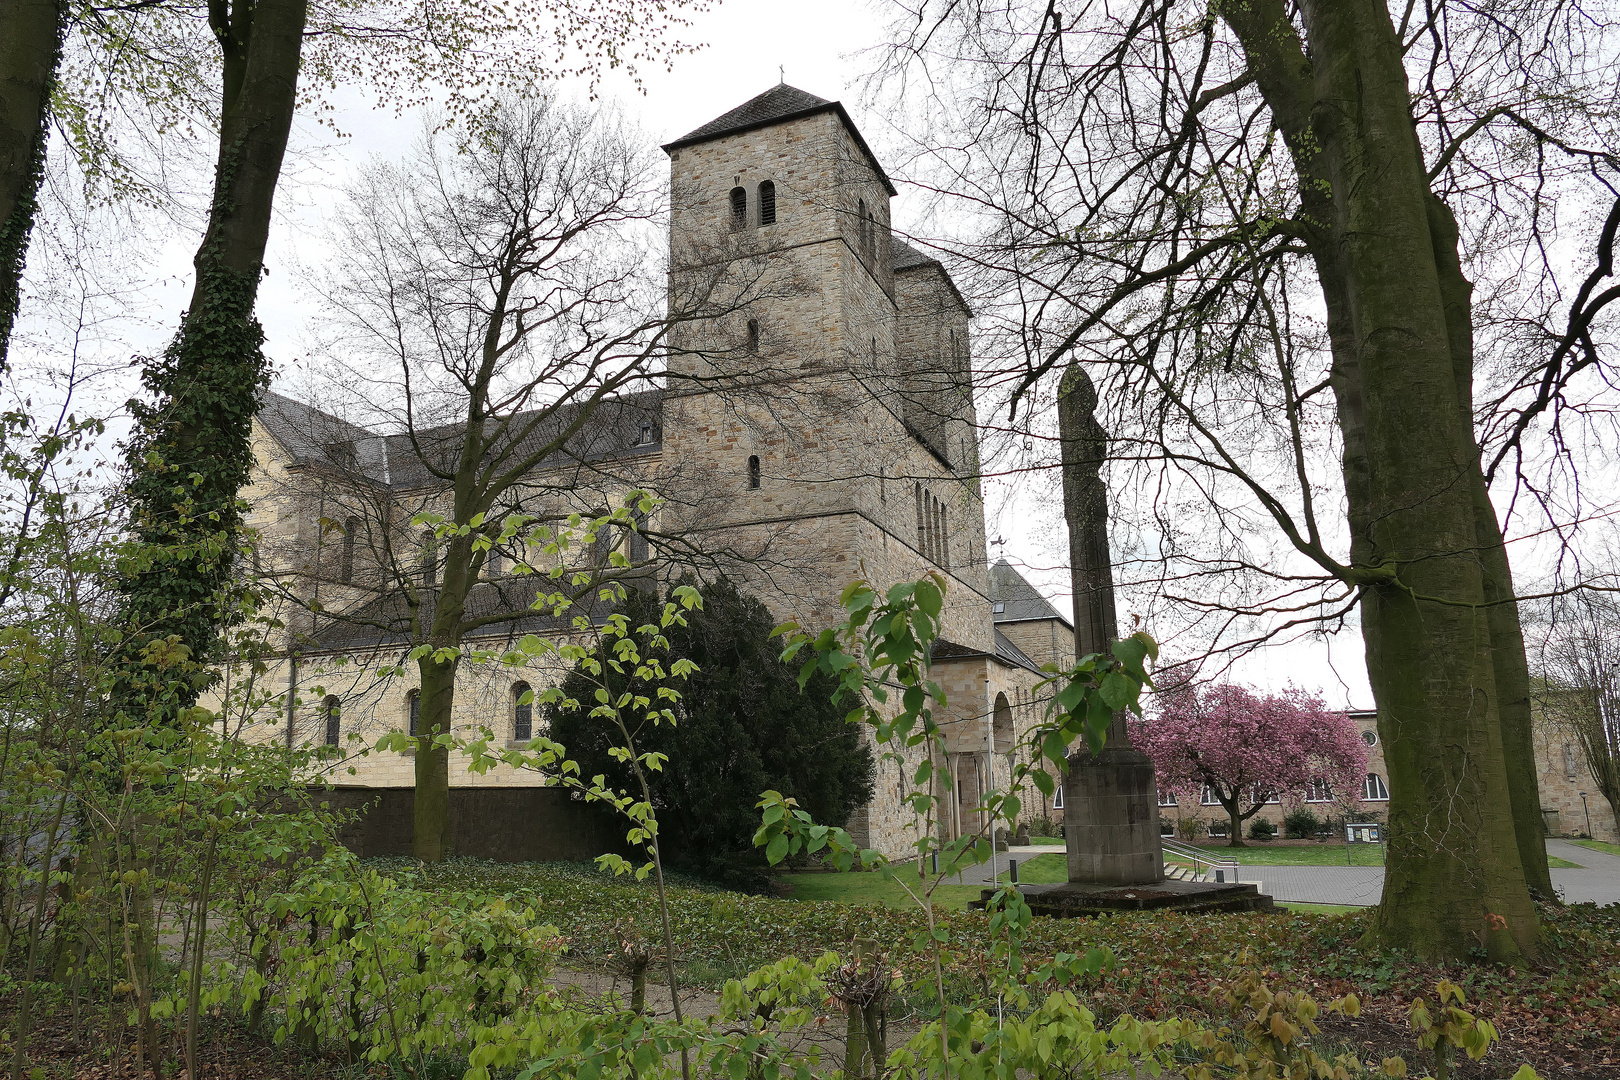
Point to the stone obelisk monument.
(1111, 804)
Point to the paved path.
(1597, 881)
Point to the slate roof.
(621, 426)
(1006, 652)
(777, 105)
(507, 595)
(904, 257)
(1019, 600)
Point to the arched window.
(739, 208)
(944, 538)
(861, 218)
(346, 569)
(413, 710)
(1167, 798)
(1319, 791)
(1207, 797)
(753, 470)
(1057, 797)
(753, 337)
(334, 719)
(871, 236)
(1374, 790)
(522, 712)
(767, 203)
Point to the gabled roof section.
(624, 426)
(1006, 652)
(778, 105)
(1012, 654)
(1019, 600)
(304, 431)
(903, 257)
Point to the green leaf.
(929, 598)
(1116, 690)
(777, 850)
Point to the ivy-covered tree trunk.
(1455, 878)
(30, 49)
(190, 453)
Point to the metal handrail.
(1200, 857)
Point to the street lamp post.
(1588, 814)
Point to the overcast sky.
(749, 45)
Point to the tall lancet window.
(739, 208)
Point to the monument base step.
(1072, 900)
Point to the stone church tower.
(825, 401)
(824, 405)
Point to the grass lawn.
(1320, 909)
(867, 888)
(1046, 841)
(1599, 845)
(1312, 855)
(1332, 855)
(1044, 869)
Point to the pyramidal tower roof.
(777, 105)
(1019, 600)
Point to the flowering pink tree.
(1250, 749)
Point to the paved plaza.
(1597, 881)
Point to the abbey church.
(818, 429)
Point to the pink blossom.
(1250, 747)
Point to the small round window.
(1370, 738)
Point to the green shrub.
(1189, 829)
(1261, 829)
(743, 726)
(1301, 824)
(1045, 826)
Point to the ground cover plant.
(1564, 1019)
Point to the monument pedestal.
(1074, 900)
(1111, 819)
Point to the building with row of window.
(817, 430)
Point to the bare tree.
(498, 310)
(1258, 223)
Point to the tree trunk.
(1509, 665)
(30, 49)
(191, 453)
(1454, 879)
(430, 836)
